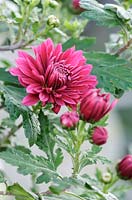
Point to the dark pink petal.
(30, 100)
(15, 71)
(56, 108)
(34, 88)
(54, 76)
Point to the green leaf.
(13, 97)
(2, 178)
(69, 188)
(91, 157)
(5, 63)
(19, 192)
(31, 126)
(58, 157)
(95, 149)
(43, 178)
(112, 72)
(19, 2)
(120, 11)
(60, 185)
(46, 142)
(34, 3)
(8, 78)
(82, 44)
(96, 11)
(60, 197)
(103, 122)
(26, 162)
(104, 59)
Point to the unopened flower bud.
(99, 136)
(69, 119)
(53, 21)
(76, 5)
(106, 177)
(124, 168)
(53, 4)
(95, 105)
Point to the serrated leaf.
(108, 196)
(112, 72)
(80, 44)
(31, 126)
(13, 97)
(26, 162)
(19, 192)
(91, 157)
(43, 178)
(70, 187)
(120, 11)
(95, 11)
(95, 149)
(46, 142)
(60, 185)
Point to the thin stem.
(74, 195)
(124, 48)
(109, 185)
(76, 164)
(77, 147)
(12, 47)
(22, 43)
(34, 185)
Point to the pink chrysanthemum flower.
(76, 5)
(69, 119)
(53, 76)
(95, 105)
(124, 168)
(99, 136)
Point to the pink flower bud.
(99, 136)
(124, 168)
(69, 119)
(76, 5)
(95, 105)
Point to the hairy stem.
(76, 164)
(77, 146)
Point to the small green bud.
(106, 177)
(53, 4)
(53, 21)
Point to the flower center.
(62, 74)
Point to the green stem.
(34, 185)
(76, 164)
(108, 186)
(77, 147)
